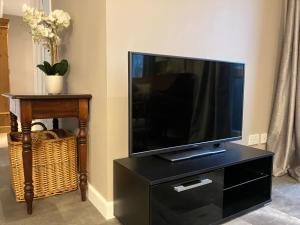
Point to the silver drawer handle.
(181, 188)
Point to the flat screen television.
(178, 103)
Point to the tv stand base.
(205, 190)
(188, 154)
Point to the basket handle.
(54, 135)
(41, 124)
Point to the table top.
(45, 97)
(156, 170)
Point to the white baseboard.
(105, 207)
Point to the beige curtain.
(284, 130)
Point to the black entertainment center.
(182, 168)
(199, 191)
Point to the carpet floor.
(67, 209)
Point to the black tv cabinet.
(200, 191)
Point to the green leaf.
(55, 68)
(42, 68)
(62, 67)
(48, 68)
(58, 68)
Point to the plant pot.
(54, 84)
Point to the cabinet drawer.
(194, 200)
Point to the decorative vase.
(54, 84)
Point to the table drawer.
(194, 200)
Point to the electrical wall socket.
(253, 139)
(263, 138)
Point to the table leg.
(27, 164)
(55, 124)
(82, 147)
(13, 123)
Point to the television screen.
(177, 102)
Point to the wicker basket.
(54, 163)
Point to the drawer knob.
(181, 187)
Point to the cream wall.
(235, 30)
(85, 48)
(20, 57)
(1, 8)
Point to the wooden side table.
(30, 107)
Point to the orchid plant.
(45, 30)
